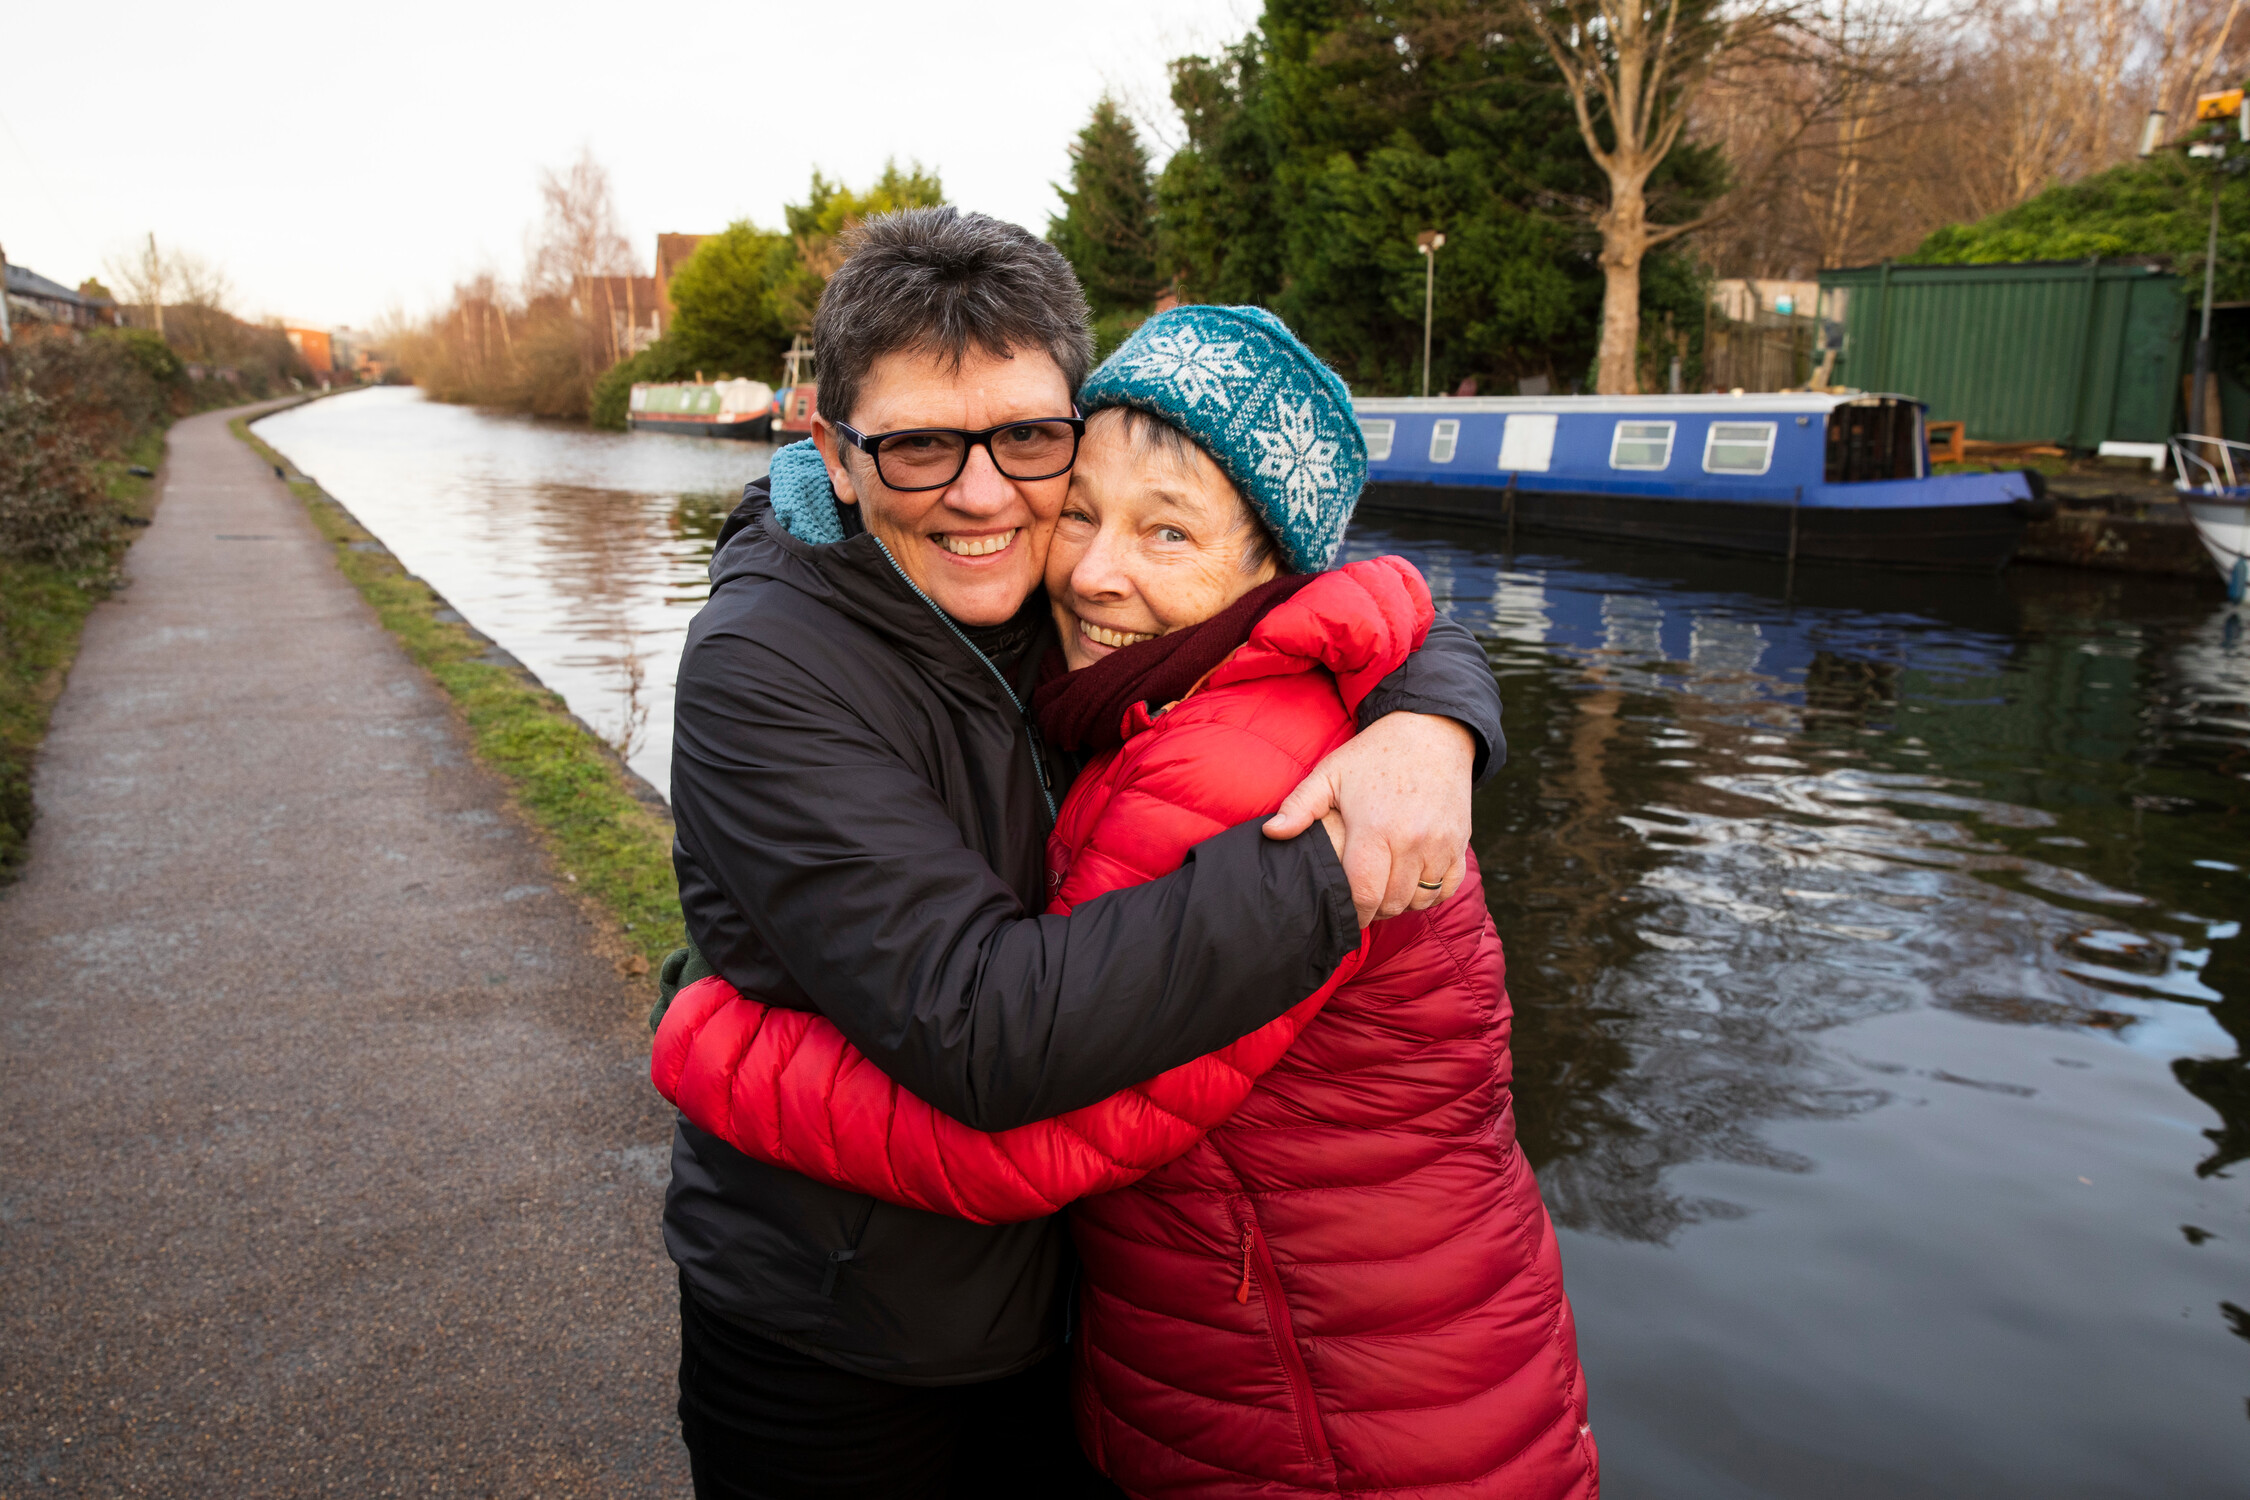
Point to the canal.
(1875, 942)
(570, 548)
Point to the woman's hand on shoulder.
(1395, 799)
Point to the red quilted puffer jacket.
(1316, 1262)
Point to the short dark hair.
(940, 280)
(1148, 433)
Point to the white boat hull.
(2224, 526)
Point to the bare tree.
(1828, 112)
(2043, 93)
(200, 282)
(1634, 70)
(202, 324)
(144, 274)
(2200, 43)
(579, 244)
(579, 233)
(1868, 61)
(1928, 112)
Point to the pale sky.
(341, 162)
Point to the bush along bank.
(81, 433)
(607, 831)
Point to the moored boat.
(1810, 475)
(720, 409)
(799, 401)
(2216, 492)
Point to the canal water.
(1876, 946)
(568, 547)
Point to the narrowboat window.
(1444, 438)
(640, 398)
(1527, 443)
(1641, 445)
(1738, 448)
(1378, 432)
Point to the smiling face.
(978, 546)
(1151, 539)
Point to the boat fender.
(2038, 505)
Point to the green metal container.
(2068, 352)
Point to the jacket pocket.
(1257, 1278)
(838, 1259)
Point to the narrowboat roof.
(688, 398)
(1754, 401)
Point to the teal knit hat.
(1278, 421)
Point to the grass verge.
(615, 849)
(43, 610)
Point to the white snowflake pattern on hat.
(1299, 457)
(1198, 369)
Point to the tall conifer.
(1107, 229)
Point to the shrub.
(75, 402)
(613, 391)
(51, 501)
(98, 387)
(148, 350)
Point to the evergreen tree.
(817, 227)
(1107, 229)
(1216, 227)
(1319, 147)
(726, 315)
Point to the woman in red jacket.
(1316, 1262)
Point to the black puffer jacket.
(861, 825)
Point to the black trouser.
(765, 1422)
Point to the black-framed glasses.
(930, 458)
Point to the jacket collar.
(855, 577)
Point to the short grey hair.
(1145, 432)
(941, 281)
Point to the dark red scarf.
(1081, 711)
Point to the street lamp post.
(1428, 242)
(2214, 109)
(2203, 341)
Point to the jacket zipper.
(838, 1258)
(1257, 1264)
(1030, 729)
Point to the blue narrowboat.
(1812, 475)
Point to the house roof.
(672, 252)
(25, 282)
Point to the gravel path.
(328, 1160)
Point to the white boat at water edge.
(2215, 488)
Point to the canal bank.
(332, 1160)
(2113, 519)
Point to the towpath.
(328, 1160)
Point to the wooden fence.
(1773, 353)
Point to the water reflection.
(565, 546)
(1788, 886)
